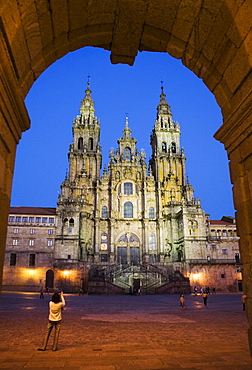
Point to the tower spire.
(163, 106)
(87, 104)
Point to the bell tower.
(85, 151)
(168, 159)
(77, 203)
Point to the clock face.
(104, 247)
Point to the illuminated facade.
(136, 225)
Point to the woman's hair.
(56, 298)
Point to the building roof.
(221, 223)
(33, 211)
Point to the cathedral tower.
(78, 201)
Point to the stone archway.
(49, 279)
(212, 38)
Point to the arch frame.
(212, 39)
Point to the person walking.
(55, 307)
(243, 299)
(41, 295)
(204, 295)
(182, 301)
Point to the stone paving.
(147, 332)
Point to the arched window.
(173, 147)
(151, 212)
(104, 211)
(80, 143)
(164, 147)
(90, 143)
(127, 153)
(65, 222)
(128, 188)
(71, 222)
(152, 242)
(128, 210)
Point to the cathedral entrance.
(128, 249)
(122, 255)
(134, 256)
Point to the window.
(32, 259)
(13, 259)
(32, 231)
(71, 222)
(151, 212)
(152, 242)
(31, 219)
(224, 251)
(173, 148)
(90, 143)
(213, 246)
(44, 220)
(38, 220)
(80, 143)
(224, 233)
(15, 231)
(18, 219)
(104, 211)
(223, 276)
(31, 242)
(164, 147)
(153, 257)
(50, 231)
(25, 219)
(14, 242)
(11, 219)
(237, 257)
(51, 220)
(127, 153)
(128, 188)
(128, 210)
(104, 257)
(69, 256)
(49, 243)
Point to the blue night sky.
(54, 101)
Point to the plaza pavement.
(148, 332)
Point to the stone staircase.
(150, 278)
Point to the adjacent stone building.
(137, 225)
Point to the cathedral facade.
(137, 225)
(133, 213)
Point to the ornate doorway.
(128, 249)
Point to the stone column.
(236, 134)
(13, 120)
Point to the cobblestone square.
(126, 332)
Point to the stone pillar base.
(250, 340)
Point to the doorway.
(49, 279)
(134, 256)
